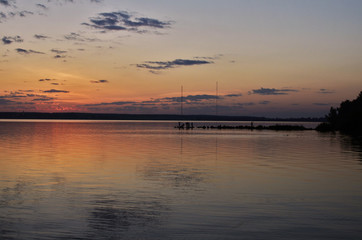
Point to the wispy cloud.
(163, 65)
(35, 95)
(73, 1)
(10, 39)
(125, 21)
(2, 17)
(6, 101)
(11, 14)
(193, 98)
(26, 91)
(216, 57)
(25, 99)
(41, 6)
(57, 51)
(24, 51)
(43, 99)
(50, 81)
(59, 56)
(5, 15)
(40, 36)
(100, 81)
(23, 13)
(7, 3)
(165, 101)
(109, 103)
(13, 97)
(272, 91)
(45, 79)
(234, 95)
(79, 38)
(325, 91)
(55, 91)
(190, 98)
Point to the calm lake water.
(147, 180)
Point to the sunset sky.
(280, 58)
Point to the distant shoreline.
(175, 117)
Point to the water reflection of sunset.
(85, 179)
(118, 150)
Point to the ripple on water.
(127, 180)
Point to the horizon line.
(136, 116)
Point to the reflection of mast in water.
(216, 111)
(182, 113)
(216, 147)
(182, 145)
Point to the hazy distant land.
(176, 117)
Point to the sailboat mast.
(182, 99)
(216, 97)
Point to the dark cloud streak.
(159, 65)
(55, 91)
(58, 51)
(6, 102)
(325, 91)
(234, 95)
(45, 79)
(272, 91)
(124, 21)
(41, 37)
(59, 56)
(24, 51)
(9, 39)
(43, 99)
(190, 98)
(7, 3)
(2, 16)
(100, 81)
(110, 103)
(78, 37)
(200, 98)
(42, 6)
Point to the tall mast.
(217, 96)
(182, 99)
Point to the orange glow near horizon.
(280, 67)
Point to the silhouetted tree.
(332, 116)
(347, 118)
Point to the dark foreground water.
(147, 180)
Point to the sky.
(280, 58)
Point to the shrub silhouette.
(347, 117)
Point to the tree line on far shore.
(345, 118)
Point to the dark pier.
(186, 125)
